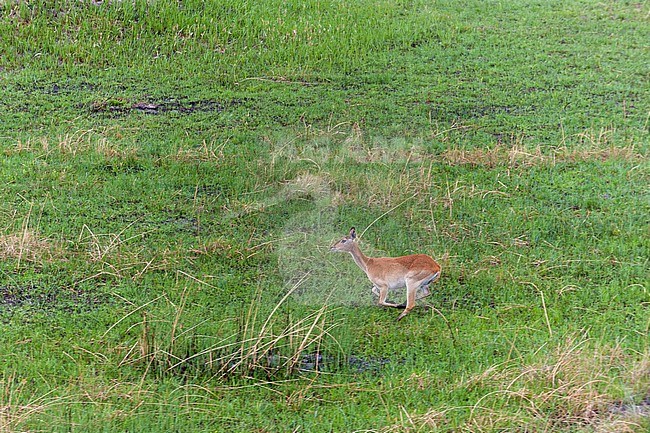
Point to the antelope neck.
(359, 258)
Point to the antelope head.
(345, 245)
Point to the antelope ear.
(353, 233)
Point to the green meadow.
(172, 175)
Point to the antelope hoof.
(401, 316)
(388, 304)
(401, 306)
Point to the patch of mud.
(120, 106)
(313, 362)
(184, 224)
(19, 296)
(476, 111)
(642, 408)
(369, 364)
(319, 362)
(49, 88)
(48, 300)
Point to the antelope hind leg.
(425, 292)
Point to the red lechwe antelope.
(413, 272)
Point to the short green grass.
(173, 173)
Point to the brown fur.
(412, 272)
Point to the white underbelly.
(395, 284)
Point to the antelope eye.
(343, 241)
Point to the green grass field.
(173, 174)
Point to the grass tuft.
(27, 246)
(576, 389)
(269, 346)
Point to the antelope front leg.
(419, 295)
(410, 301)
(383, 294)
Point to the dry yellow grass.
(104, 142)
(572, 390)
(27, 246)
(353, 144)
(315, 186)
(519, 156)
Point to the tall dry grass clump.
(258, 342)
(18, 405)
(576, 388)
(26, 246)
(106, 142)
(518, 155)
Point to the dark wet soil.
(641, 408)
(120, 106)
(354, 363)
(43, 299)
